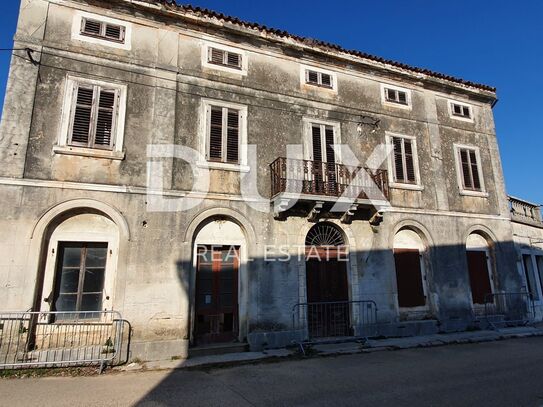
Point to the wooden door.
(328, 310)
(409, 278)
(478, 276)
(217, 294)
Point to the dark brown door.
(478, 276)
(409, 278)
(217, 294)
(328, 310)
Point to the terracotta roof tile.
(202, 12)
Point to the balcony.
(318, 183)
(525, 212)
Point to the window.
(94, 116)
(93, 119)
(460, 111)
(103, 30)
(224, 58)
(319, 79)
(470, 171)
(79, 281)
(223, 136)
(403, 162)
(396, 96)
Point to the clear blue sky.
(496, 42)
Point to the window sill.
(479, 194)
(412, 187)
(397, 105)
(223, 166)
(462, 119)
(89, 152)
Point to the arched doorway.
(479, 269)
(81, 250)
(410, 273)
(328, 308)
(219, 247)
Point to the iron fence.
(334, 318)
(61, 339)
(509, 309)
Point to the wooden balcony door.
(479, 276)
(324, 159)
(217, 294)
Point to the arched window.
(324, 234)
(410, 276)
(479, 268)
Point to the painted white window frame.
(305, 84)
(243, 54)
(450, 104)
(205, 109)
(385, 101)
(307, 139)
(78, 36)
(417, 186)
(460, 174)
(62, 146)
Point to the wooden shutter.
(409, 161)
(312, 77)
(329, 136)
(115, 32)
(465, 166)
(81, 122)
(216, 56)
(232, 137)
(398, 159)
(409, 278)
(215, 134)
(233, 60)
(105, 118)
(317, 143)
(474, 170)
(326, 80)
(91, 27)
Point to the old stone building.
(179, 166)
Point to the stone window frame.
(386, 102)
(205, 109)
(469, 119)
(77, 34)
(63, 147)
(459, 172)
(303, 78)
(417, 186)
(243, 71)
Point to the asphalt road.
(505, 373)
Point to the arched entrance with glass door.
(328, 308)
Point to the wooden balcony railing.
(525, 212)
(326, 179)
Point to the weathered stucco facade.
(53, 193)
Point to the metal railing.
(334, 318)
(509, 309)
(328, 179)
(61, 339)
(525, 212)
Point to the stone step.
(218, 349)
